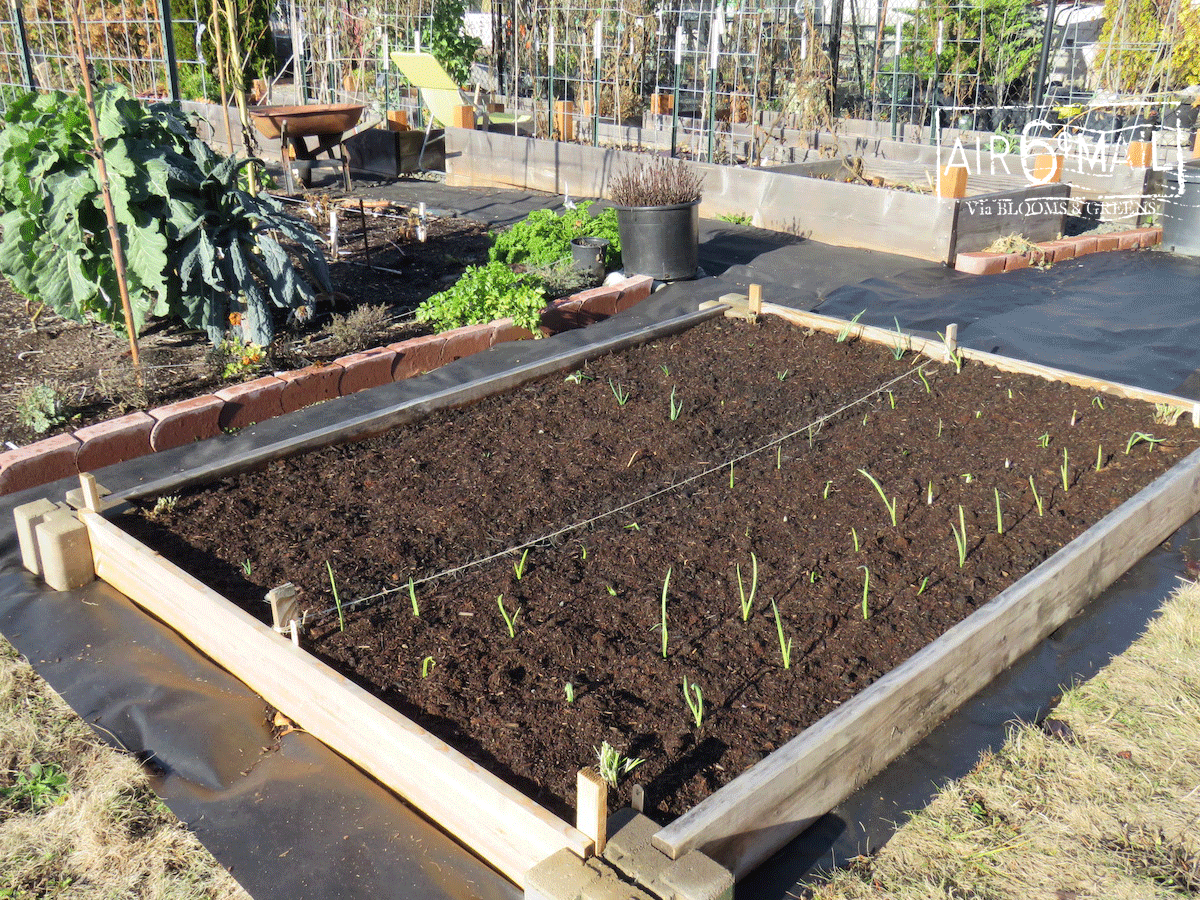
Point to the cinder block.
(612, 887)
(1014, 261)
(630, 849)
(694, 876)
(28, 516)
(38, 463)
(633, 291)
(252, 401)
(980, 263)
(503, 331)
(416, 355)
(181, 423)
(466, 341)
(312, 384)
(1106, 242)
(64, 551)
(562, 876)
(367, 369)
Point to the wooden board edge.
(495, 821)
(936, 349)
(753, 816)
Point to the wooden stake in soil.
(362, 215)
(110, 214)
(591, 807)
(951, 340)
(755, 302)
(283, 607)
(91, 491)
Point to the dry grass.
(1015, 243)
(101, 834)
(1112, 811)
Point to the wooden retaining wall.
(848, 215)
(760, 811)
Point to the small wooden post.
(591, 807)
(951, 340)
(637, 798)
(952, 182)
(397, 120)
(1141, 154)
(1047, 168)
(1196, 146)
(283, 607)
(754, 305)
(91, 491)
(564, 120)
(464, 117)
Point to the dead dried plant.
(359, 329)
(656, 182)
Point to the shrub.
(41, 407)
(656, 182)
(197, 245)
(482, 294)
(544, 237)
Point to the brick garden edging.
(984, 262)
(239, 405)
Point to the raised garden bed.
(590, 599)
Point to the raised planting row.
(175, 424)
(712, 541)
(1045, 253)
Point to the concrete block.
(613, 888)
(503, 331)
(182, 423)
(630, 849)
(28, 516)
(562, 876)
(252, 401)
(634, 291)
(114, 441)
(1014, 261)
(38, 463)
(416, 355)
(367, 369)
(980, 263)
(694, 876)
(64, 550)
(466, 341)
(312, 384)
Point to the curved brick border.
(239, 405)
(1050, 252)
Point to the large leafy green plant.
(482, 294)
(197, 245)
(449, 41)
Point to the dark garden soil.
(472, 482)
(90, 365)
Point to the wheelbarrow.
(327, 122)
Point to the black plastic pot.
(587, 255)
(660, 241)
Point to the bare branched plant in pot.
(658, 217)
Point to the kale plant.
(197, 245)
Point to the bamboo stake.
(222, 83)
(110, 213)
(239, 92)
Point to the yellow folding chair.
(441, 95)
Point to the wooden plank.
(936, 349)
(745, 822)
(504, 827)
(591, 807)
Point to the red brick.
(38, 463)
(1059, 251)
(416, 355)
(503, 331)
(1139, 238)
(1106, 242)
(566, 315)
(1014, 261)
(1084, 246)
(466, 341)
(600, 301)
(114, 441)
(980, 263)
(634, 291)
(312, 384)
(367, 369)
(181, 423)
(252, 401)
